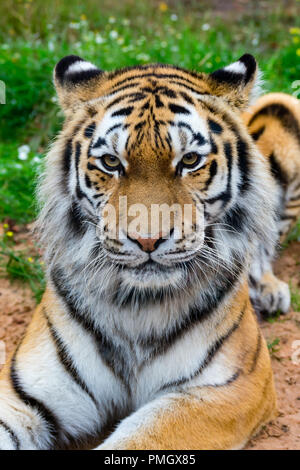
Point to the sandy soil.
(17, 305)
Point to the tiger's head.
(156, 138)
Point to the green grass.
(273, 346)
(295, 298)
(21, 265)
(34, 35)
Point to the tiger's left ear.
(238, 83)
(76, 81)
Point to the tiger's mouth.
(151, 266)
(151, 274)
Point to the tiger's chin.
(152, 275)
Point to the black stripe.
(87, 181)
(154, 74)
(122, 88)
(256, 135)
(45, 413)
(212, 351)
(99, 143)
(212, 173)
(76, 220)
(243, 163)
(111, 354)
(66, 359)
(123, 112)
(66, 160)
(199, 91)
(92, 167)
(236, 217)
(229, 381)
(186, 97)
(11, 433)
(89, 130)
(257, 351)
(112, 128)
(283, 114)
(176, 109)
(196, 315)
(77, 158)
(276, 170)
(225, 196)
(214, 126)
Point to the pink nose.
(148, 244)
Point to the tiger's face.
(154, 161)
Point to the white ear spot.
(236, 67)
(80, 66)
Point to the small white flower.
(205, 27)
(143, 57)
(99, 39)
(36, 159)
(74, 25)
(113, 34)
(255, 41)
(125, 22)
(50, 45)
(23, 152)
(54, 99)
(174, 17)
(17, 165)
(111, 19)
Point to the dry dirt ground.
(17, 305)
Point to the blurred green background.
(201, 35)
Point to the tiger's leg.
(218, 408)
(47, 395)
(274, 123)
(206, 418)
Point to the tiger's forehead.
(153, 111)
(150, 78)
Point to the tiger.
(145, 340)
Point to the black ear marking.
(73, 69)
(250, 64)
(239, 72)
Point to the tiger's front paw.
(270, 295)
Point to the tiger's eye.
(190, 159)
(111, 162)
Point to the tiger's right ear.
(76, 81)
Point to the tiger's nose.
(148, 244)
